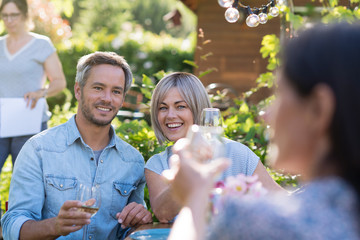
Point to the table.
(149, 226)
(140, 227)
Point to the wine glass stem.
(84, 231)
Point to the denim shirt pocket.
(58, 190)
(120, 195)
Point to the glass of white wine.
(211, 117)
(212, 131)
(206, 143)
(90, 198)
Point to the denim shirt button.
(90, 237)
(125, 191)
(101, 161)
(61, 185)
(92, 159)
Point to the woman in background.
(315, 119)
(177, 103)
(26, 60)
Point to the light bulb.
(281, 3)
(274, 12)
(252, 20)
(232, 15)
(263, 18)
(225, 3)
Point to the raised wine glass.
(206, 143)
(90, 198)
(211, 117)
(211, 130)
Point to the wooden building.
(235, 46)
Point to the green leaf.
(296, 20)
(205, 56)
(191, 63)
(231, 120)
(250, 135)
(159, 74)
(270, 43)
(333, 3)
(270, 48)
(146, 92)
(209, 70)
(244, 108)
(266, 79)
(146, 81)
(147, 86)
(248, 124)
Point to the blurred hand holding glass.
(206, 141)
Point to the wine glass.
(206, 143)
(90, 198)
(211, 130)
(211, 117)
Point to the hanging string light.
(263, 17)
(255, 15)
(253, 19)
(225, 3)
(232, 15)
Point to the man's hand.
(70, 219)
(133, 214)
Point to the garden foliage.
(151, 56)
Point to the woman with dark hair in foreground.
(316, 123)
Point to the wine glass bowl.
(211, 117)
(89, 196)
(206, 143)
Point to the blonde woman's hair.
(191, 90)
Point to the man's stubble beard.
(85, 109)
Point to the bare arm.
(68, 220)
(43, 229)
(191, 224)
(54, 72)
(162, 203)
(265, 178)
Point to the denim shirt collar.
(74, 134)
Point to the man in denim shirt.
(85, 150)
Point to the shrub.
(145, 52)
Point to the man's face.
(102, 96)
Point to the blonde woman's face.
(174, 115)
